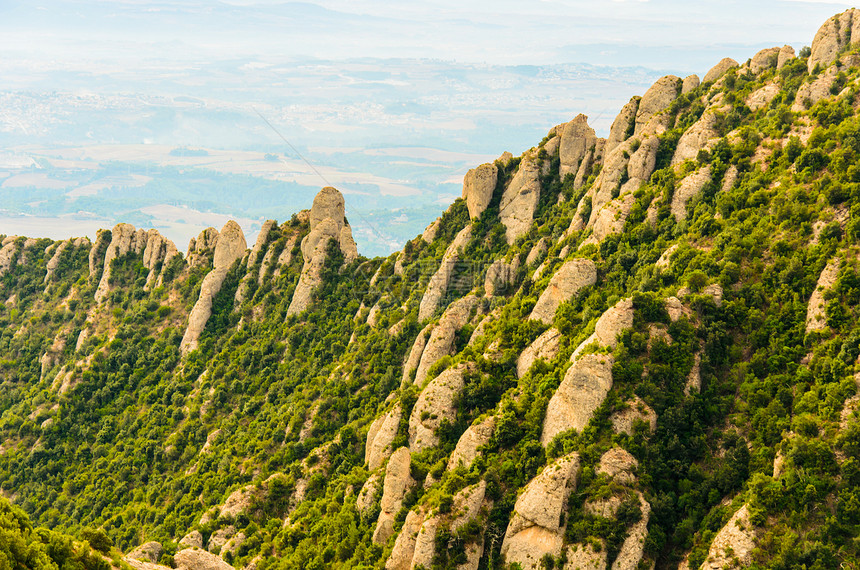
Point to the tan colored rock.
(715, 292)
(719, 69)
(53, 263)
(832, 37)
(478, 186)
(475, 436)
(623, 125)
(665, 257)
(262, 240)
(500, 278)
(764, 59)
(202, 247)
(702, 135)
(694, 378)
(572, 277)
(544, 347)
(397, 482)
(690, 83)
(367, 495)
(238, 502)
(585, 386)
(761, 98)
(286, 256)
(633, 547)
(690, 187)
(537, 252)
(584, 557)
(147, 552)
(404, 547)
(658, 97)
(808, 94)
(534, 530)
(141, 565)
(443, 335)
(431, 231)
(624, 420)
(610, 218)
(435, 403)
(380, 437)
(677, 309)
(611, 323)
(192, 540)
(736, 540)
(194, 559)
(439, 283)
(786, 54)
(520, 199)
(577, 140)
(816, 318)
(415, 353)
(233, 545)
(122, 241)
(618, 464)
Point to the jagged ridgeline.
(616, 353)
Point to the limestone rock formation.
(124, 238)
(786, 54)
(431, 231)
(633, 547)
(219, 538)
(585, 386)
(194, 559)
(443, 335)
(367, 494)
(612, 322)
(397, 482)
(761, 98)
(520, 199)
(148, 552)
(97, 251)
(380, 437)
(535, 530)
(327, 223)
(230, 246)
(702, 135)
(192, 540)
(690, 187)
(658, 97)
(576, 145)
(618, 464)
(623, 125)
(473, 438)
(833, 36)
(719, 69)
(665, 257)
(53, 263)
(435, 403)
(544, 347)
(414, 358)
(572, 277)
(201, 248)
(439, 283)
(808, 94)
(141, 565)
(500, 277)
(736, 540)
(816, 319)
(764, 59)
(478, 186)
(253, 257)
(690, 83)
(624, 421)
(537, 252)
(404, 547)
(585, 557)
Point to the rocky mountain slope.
(631, 352)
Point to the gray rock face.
(327, 222)
(201, 248)
(520, 199)
(833, 36)
(534, 530)
(442, 336)
(380, 437)
(576, 144)
(544, 347)
(658, 97)
(735, 540)
(194, 559)
(415, 353)
(500, 278)
(573, 276)
(689, 187)
(786, 54)
(478, 186)
(623, 125)
(473, 438)
(435, 403)
(439, 283)
(689, 84)
(230, 246)
(397, 482)
(719, 69)
(764, 60)
(585, 386)
(148, 552)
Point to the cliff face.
(638, 351)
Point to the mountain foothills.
(631, 352)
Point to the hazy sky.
(662, 34)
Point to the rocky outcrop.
(520, 199)
(833, 37)
(367, 495)
(585, 386)
(733, 545)
(475, 436)
(148, 552)
(327, 223)
(618, 464)
(703, 134)
(690, 187)
(786, 54)
(719, 69)
(630, 555)
(142, 565)
(585, 557)
(535, 528)
(764, 59)
(230, 246)
(431, 231)
(192, 540)
(253, 257)
(500, 277)
(437, 288)
(610, 219)
(443, 335)
(97, 251)
(194, 559)
(478, 186)
(761, 98)
(816, 318)
(435, 404)
(397, 482)
(202, 248)
(808, 94)
(611, 323)
(53, 263)
(658, 97)
(544, 347)
(380, 437)
(414, 358)
(666, 257)
(219, 538)
(537, 252)
(576, 145)
(635, 410)
(690, 83)
(572, 277)
(124, 238)
(623, 125)
(404, 547)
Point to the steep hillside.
(618, 353)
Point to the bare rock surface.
(719, 69)
(404, 547)
(786, 54)
(577, 140)
(431, 231)
(764, 59)
(690, 187)
(478, 186)
(833, 36)
(201, 248)
(194, 559)
(123, 240)
(634, 544)
(666, 257)
(618, 464)
(585, 557)
(535, 530)
(702, 135)
(735, 540)
(624, 421)
(475, 436)
(380, 437)
(435, 403)
(816, 319)
(142, 565)
(761, 98)
(415, 353)
(219, 538)
(573, 276)
(808, 94)
(500, 278)
(367, 494)
(192, 540)
(537, 252)
(611, 323)
(437, 288)
(586, 384)
(623, 125)
(658, 97)
(689, 84)
(148, 552)
(397, 482)
(443, 335)
(544, 347)
(520, 199)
